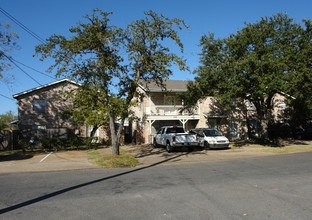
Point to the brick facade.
(39, 111)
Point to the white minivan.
(210, 138)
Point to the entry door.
(213, 123)
(234, 130)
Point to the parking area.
(148, 155)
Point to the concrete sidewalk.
(146, 154)
(52, 161)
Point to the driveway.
(148, 155)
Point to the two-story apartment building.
(162, 107)
(40, 111)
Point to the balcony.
(170, 112)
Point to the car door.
(158, 136)
(201, 137)
(162, 139)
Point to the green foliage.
(7, 42)
(89, 107)
(25, 144)
(110, 62)
(47, 143)
(270, 56)
(72, 142)
(90, 141)
(5, 120)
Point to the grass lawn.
(112, 161)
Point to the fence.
(9, 139)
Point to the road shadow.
(146, 150)
(56, 193)
(150, 150)
(16, 156)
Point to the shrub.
(24, 144)
(90, 141)
(74, 142)
(46, 143)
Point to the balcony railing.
(169, 110)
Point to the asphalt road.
(272, 187)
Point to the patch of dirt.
(143, 150)
(295, 142)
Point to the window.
(169, 100)
(160, 131)
(201, 133)
(175, 130)
(253, 125)
(213, 133)
(39, 105)
(251, 107)
(39, 127)
(282, 105)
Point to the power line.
(34, 69)
(12, 61)
(22, 26)
(7, 97)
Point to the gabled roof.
(168, 85)
(45, 86)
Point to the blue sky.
(46, 17)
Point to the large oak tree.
(263, 58)
(112, 61)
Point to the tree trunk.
(93, 130)
(264, 123)
(262, 119)
(249, 134)
(115, 141)
(264, 128)
(115, 134)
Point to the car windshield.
(212, 133)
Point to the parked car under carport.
(305, 134)
(210, 138)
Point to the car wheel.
(206, 145)
(155, 145)
(169, 148)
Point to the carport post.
(183, 121)
(150, 125)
